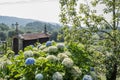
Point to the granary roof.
(31, 36)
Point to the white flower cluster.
(52, 58)
(61, 56)
(60, 46)
(52, 49)
(57, 76)
(4, 62)
(76, 71)
(28, 54)
(87, 77)
(39, 76)
(67, 62)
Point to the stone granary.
(20, 41)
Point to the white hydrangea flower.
(87, 77)
(39, 76)
(52, 58)
(28, 54)
(67, 62)
(52, 49)
(76, 71)
(61, 56)
(4, 63)
(57, 76)
(60, 46)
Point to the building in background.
(20, 41)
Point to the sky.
(44, 10)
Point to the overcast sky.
(45, 10)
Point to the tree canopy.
(81, 22)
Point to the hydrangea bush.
(46, 62)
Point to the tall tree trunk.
(112, 69)
(111, 74)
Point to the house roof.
(31, 36)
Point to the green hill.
(11, 20)
(38, 26)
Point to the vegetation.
(50, 61)
(90, 50)
(38, 26)
(7, 28)
(107, 32)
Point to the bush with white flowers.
(52, 58)
(44, 62)
(28, 54)
(52, 49)
(57, 76)
(75, 70)
(67, 62)
(61, 56)
(60, 46)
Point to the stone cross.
(16, 24)
(45, 30)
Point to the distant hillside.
(30, 25)
(10, 20)
(38, 26)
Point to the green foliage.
(84, 23)
(3, 36)
(47, 63)
(38, 26)
(3, 27)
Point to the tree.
(3, 27)
(54, 36)
(3, 36)
(94, 24)
(13, 33)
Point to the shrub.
(60, 46)
(28, 54)
(52, 49)
(67, 62)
